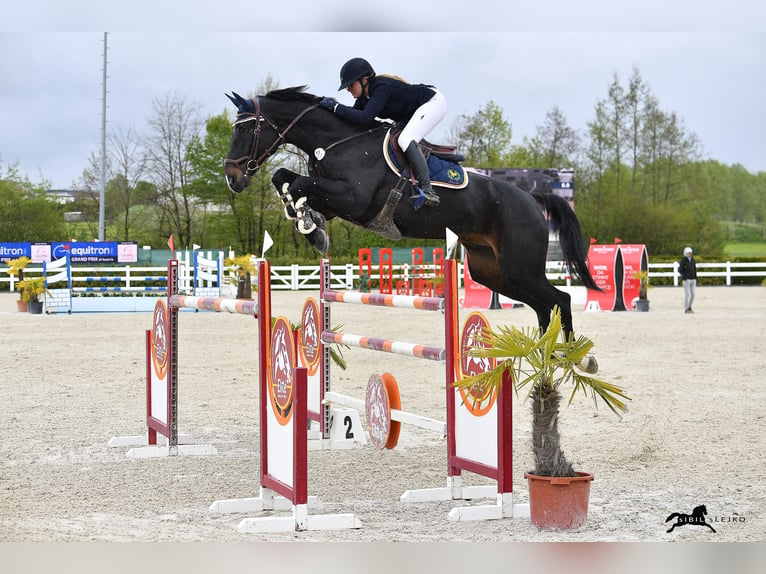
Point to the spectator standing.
(687, 268)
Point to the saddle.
(443, 167)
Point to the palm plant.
(541, 363)
(16, 267)
(32, 288)
(335, 349)
(245, 266)
(643, 283)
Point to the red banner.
(605, 266)
(634, 260)
(477, 296)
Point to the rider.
(421, 106)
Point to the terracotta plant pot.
(559, 503)
(21, 306)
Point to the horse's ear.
(244, 106)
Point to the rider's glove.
(329, 103)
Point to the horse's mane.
(294, 94)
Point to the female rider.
(419, 106)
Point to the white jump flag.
(267, 243)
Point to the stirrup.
(432, 200)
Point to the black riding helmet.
(353, 70)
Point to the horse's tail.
(567, 226)
(672, 516)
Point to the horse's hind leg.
(542, 297)
(525, 280)
(509, 278)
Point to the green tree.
(126, 188)
(555, 143)
(484, 137)
(26, 211)
(173, 124)
(630, 134)
(238, 219)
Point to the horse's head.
(256, 135)
(251, 144)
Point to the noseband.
(250, 164)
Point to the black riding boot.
(420, 171)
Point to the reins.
(352, 136)
(253, 163)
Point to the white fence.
(306, 277)
(727, 269)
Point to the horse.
(696, 517)
(503, 228)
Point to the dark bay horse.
(502, 227)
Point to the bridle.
(249, 163)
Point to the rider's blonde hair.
(393, 77)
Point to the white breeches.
(425, 118)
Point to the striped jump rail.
(385, 345)
(117, 289)
(111, 279)
(380, 300)
(477, 442)
(234, 306)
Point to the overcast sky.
(707, 66)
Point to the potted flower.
(540, 363)
(364, 283)
(642, 304)
(16, 269)
(244, 266)
(31, 289)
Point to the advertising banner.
(634, 260)
(10, 251)
(477, 296)
(95, 251)
(41, 252)
(606, 267)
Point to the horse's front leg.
(282, 180)
(310, 223)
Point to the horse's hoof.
(319, 241)
(589, 364)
